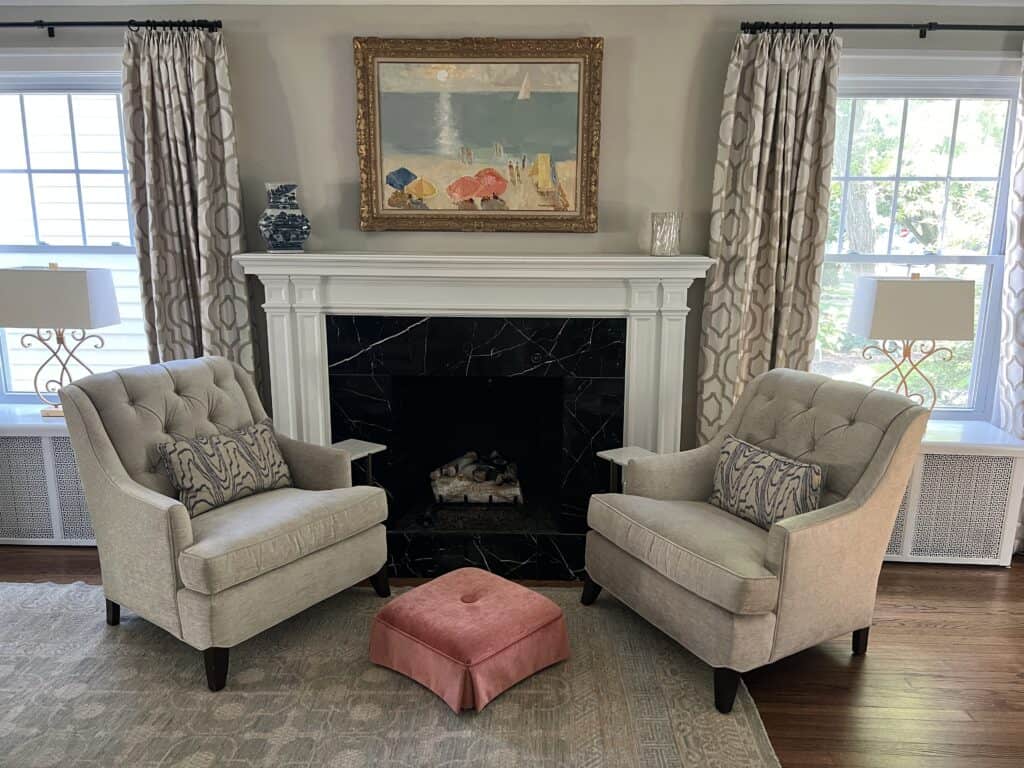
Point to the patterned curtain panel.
(769, 214)
(1010, 385)
(186, 197)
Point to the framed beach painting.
(478, 134)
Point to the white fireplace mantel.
(650, 292)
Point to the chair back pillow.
(212, 470)
(761, 486)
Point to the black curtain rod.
(51, 26)
(922, 29)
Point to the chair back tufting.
(151, 404)
(837, 424)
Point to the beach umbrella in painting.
(421, 188)
(491, 182)
(464, 188)
(400, 178)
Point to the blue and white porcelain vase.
(283, 226)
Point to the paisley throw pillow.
(211, 471)
(763, 487)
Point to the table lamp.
(61, 304)
(907, 315)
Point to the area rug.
(76, 693)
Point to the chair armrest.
(144, 508)
(828, 560)
(828, 563)
(314, 467)
(139, 532)
(684, 476)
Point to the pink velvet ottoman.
(468, 636)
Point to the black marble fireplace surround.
(547, 393)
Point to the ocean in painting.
(479, 137)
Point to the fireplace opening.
(475, 453)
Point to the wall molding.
(627, 3)
(909, 72)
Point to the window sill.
(969, 436)
(24, 419)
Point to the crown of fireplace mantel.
(649, 291)
(536, 265)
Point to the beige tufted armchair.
(738, 596)
(226, 575)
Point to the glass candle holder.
(665, 233)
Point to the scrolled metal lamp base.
(901, 354)
(62, 355)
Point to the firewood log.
(468, 470)
(454, 467)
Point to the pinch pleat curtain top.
(186, 195)
(769, 214)
(1010, 382)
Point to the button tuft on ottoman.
(468, 636)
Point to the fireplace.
(327, 381)
(542, 393)
(442, 421)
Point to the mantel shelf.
(446, 265)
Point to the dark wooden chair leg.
(860, 641)
(379, 582)
(727, 681)
(113, 613)
(216, 662)
(591, 589)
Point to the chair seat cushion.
(713, 554)
(252, 536)
(468, 636)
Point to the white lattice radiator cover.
(959, 508)
(41, 496)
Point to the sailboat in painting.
(524, 89)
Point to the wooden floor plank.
(942, 685)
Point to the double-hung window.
(919, 185)
(64, 199)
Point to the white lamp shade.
(31, 297)
(935, 308)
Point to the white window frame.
(952, 74)
(71, 71)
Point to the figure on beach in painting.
(479, 136)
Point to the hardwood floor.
(941, 686)
(942, 683)
(60, 565)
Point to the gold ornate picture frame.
(478, 134)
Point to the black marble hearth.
(547, 393)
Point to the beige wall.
(291, 71)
